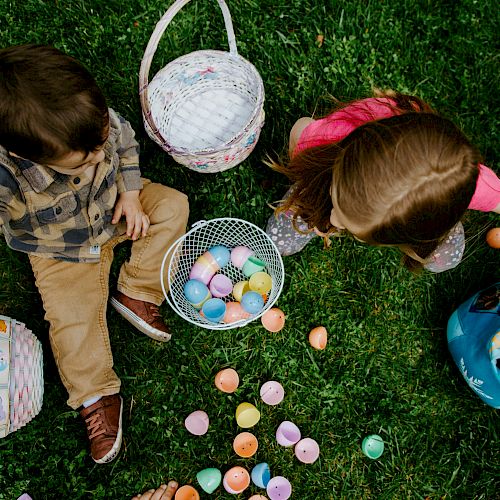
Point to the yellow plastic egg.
(245, 444)
(273, 320)
(318, 337)
(227, 380)
(240, 289)
(260, 282)
(247, 415)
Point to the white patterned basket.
(205, 108)
(180, 257)
(21, 375)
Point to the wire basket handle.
(160, 28)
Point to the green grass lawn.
(386, 368)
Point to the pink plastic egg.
(272, 392)
(287, 433)
(227, 380)
(204, 268)
(239, 255)
(318, 337)
(197, 423)
(257, 497)
(307, 450)
(273, 320)
(234, 312)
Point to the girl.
(390, 171)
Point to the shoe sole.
(138, 322)
(111, 455)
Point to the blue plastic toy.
(474, 343)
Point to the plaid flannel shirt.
(58, 216)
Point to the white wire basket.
(21, 375)
(205, 108)
(229, 232)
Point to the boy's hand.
(128, 205)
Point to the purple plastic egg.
(220, 286)
(204, 268)
(279, 488)
(287, 433)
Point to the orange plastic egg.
(257, 497)
(237, 479)
(186, 492)
(318, 337)
(245, 444)
(493, 237)
(227, 380)
(234, 312)
(273, 320)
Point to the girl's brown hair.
(50, 105)
(402, 181)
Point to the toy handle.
(160, 28)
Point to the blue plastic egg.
(196, 293)
(221, 254)
(214, 310)
(261, 475)
(252, 302)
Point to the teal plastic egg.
(261, 475)
(209, 479)
(196, 293)
(253, 265)
(221, 254)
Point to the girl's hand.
(164, 492)
(128, 205)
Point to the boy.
(70, 190)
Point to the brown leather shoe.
(104, 427)
(145, 316)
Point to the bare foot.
(164, 492)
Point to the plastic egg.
(272, 392)
(260, 282)
(239, 289)
(493, 237)
(273, 320)
(307, 450)
(204, 268)
(227, 380)
(196, 293)
(373, 446)
(247, 415)
(318, 337)
(258, 497)
(221, 254)
(261, 474)
(252, 302)
(287, 433)
(253, 265)
(197, 423)
(236, 480)
(245, 444)
(214, 310)
(209, 479)
(279, 488)
(220, 286)
(186, 492)
(234, 312)
(239, 255)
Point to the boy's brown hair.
(50, 105)
(405, 180)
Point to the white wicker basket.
(205, 108)
(21, 375)
(180, 257)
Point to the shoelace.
(154, 310)
(95, 425)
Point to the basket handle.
(160, 28)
